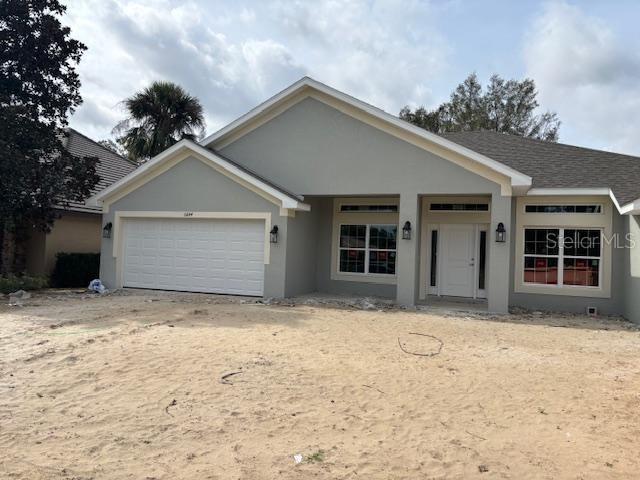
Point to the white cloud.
(233, 57)
(588, 76)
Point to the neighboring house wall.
(192, 186)
(612, 299)
(631, 269)
(73, 232)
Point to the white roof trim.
(518, 179)
(287, 201)
(632, 208)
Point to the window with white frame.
(368, 249)
(562, 256)
(544, 208)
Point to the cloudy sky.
(583, 55)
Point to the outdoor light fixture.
(406, 230)
(106, 231)
(273, 234)
(501, 233)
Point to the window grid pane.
(583, 272)
(353, 236)
(382, 261)
(581, 243)
(542, 270)
(352, 261)
(542, 241)
(383, 237)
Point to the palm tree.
(159, 116)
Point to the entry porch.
(416, 248)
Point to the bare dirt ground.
(129, 386)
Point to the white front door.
(457, 244)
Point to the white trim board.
(179, 152)
(308, 87)
(631, 208)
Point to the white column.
(407, 266)
(499, 271)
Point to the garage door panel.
(215, 256)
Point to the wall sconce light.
(406, 231)
(273, 234)
(501, 233)
(106, 231)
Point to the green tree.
(39, 87)
(159, 116)
(507, 106)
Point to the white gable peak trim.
(307, 87)
(178, 152)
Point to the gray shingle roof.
(278, 187)
(111, 167)
(556, 165)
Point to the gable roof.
(111, 167)
(231, 169)
(557, 165)
(306, 86)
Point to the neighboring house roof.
(111, 167)
(159, 163)
(307, 87)
(556, 165)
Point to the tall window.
(434, 258)
(368, 249)
(482, 260)
(563, 257)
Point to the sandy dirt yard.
(129, 386)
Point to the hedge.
(12, 283)
(75, 269)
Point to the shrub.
(12, 283)
(75, 269)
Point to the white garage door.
(195, 255)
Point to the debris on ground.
(224, 378)
(16, 298)
(423, 354)
(297, 458)
(316, 457)
(357, 303)
(97, 286)
(483, 468)
(172, 404)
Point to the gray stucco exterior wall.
(302, 240)
(192, 186)
(631, 269)
(315, 150)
